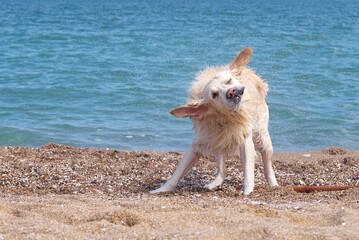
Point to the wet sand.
(63, 192)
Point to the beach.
(99, 79)
(63, 192)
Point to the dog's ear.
(196, 111)
(242, 59)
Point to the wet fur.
(222, 129)
(223, 132)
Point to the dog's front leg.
(221, 173)
(247, 156)
(186, 164)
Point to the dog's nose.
(234, 92)
(231, 93)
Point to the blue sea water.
(106, 73)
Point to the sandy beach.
(62, 192)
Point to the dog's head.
(223, 91)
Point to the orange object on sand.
(307, 189)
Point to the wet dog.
(229, 113)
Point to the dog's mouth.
(236, 99)
(234, 94)
(237, 106)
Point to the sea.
(105, 74)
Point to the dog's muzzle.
(234, 94)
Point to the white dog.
(229, 112)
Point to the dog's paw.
(213, 185)
(162, 189)
(218, 181)
(247, 190)
(273, 182)
(155, 191)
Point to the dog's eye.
(214, 95)
(229, 81)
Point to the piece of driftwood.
(307, 189)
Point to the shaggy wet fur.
(229, 113)
(221, 132)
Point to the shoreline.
(103, 193)
(61, 169)
(163, 150)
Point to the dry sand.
(62, 192)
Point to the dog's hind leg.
(267, 152)
(186, 164)
(221, 173)
(247, 152)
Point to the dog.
(229, 113)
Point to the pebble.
(65, 170)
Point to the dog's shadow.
(184, 188)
